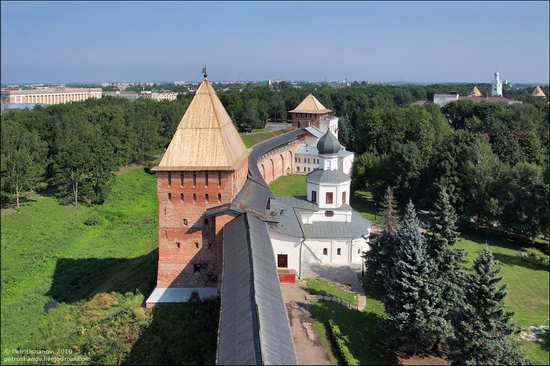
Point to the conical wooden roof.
(537, 92)
(206, 138)
(475, 92)
(311, 105)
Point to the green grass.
(364, 340)
(102, 274)
(318, 287)
(252, 139)
(289, 185)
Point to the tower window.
(194, 179)
(329, 197)
(181, 197)
(185, 222)
(219, 179)
(344, 198)
(325, 251)
(206, 179)
(206, 198)
(197, 245)
(177, 244)
(338, 251)
(219, 197)
(169, 179)
(329, 213)
(194, 198)
(314, 196)
(169, 196)
(181, 179)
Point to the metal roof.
(327, 176)
(254, 326)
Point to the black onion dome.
(328, 144)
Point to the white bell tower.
(497, 86)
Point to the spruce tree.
(449, 261)
(378, 257)
(415, 319)
(482, 326)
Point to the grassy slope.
(528, 284)
(102, 275)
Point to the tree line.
(415, 149)
(491, 158)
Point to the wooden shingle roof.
(537, 92)
(206, 138)
(311, 105)
(475, 92)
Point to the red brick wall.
(187, 237)
(303, 120)
(281, 163)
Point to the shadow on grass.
(179, 334)
(513, 260)
(79, 279)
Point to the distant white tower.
(497, 86)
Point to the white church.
(322, 227)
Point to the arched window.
(338, 251)
(325, 251)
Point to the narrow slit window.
(181, 179)
(206, 179)
(219, 179)
(169, 179)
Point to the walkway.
(307, 343)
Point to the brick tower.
(308, 113)
(205, 166)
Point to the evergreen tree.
(449, 261)
(345, 131)
(378, 257)
(415, 321)
(482, 326)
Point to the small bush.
(93, 220)
(337, 337)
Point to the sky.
(387, 41)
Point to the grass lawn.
(251, 139)
(101, 273)
(289, 185)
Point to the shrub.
(93, 220)
(340, 341)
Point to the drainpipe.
(300, 259)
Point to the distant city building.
(159, 95)
(181, 82)
(48, 96)
(442, 99)
(497, 86)
(130, 95)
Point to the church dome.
(328, 144)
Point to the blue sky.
(430, 41)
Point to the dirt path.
(307, 343)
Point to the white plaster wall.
(286, 244)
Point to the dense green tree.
(102, 171)
(22, 158)
(345, 131)
(72, 169)
(482, 326)
(482, 183)
(441, 236)
(416, 320)
(378, 259)
(526, 200)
